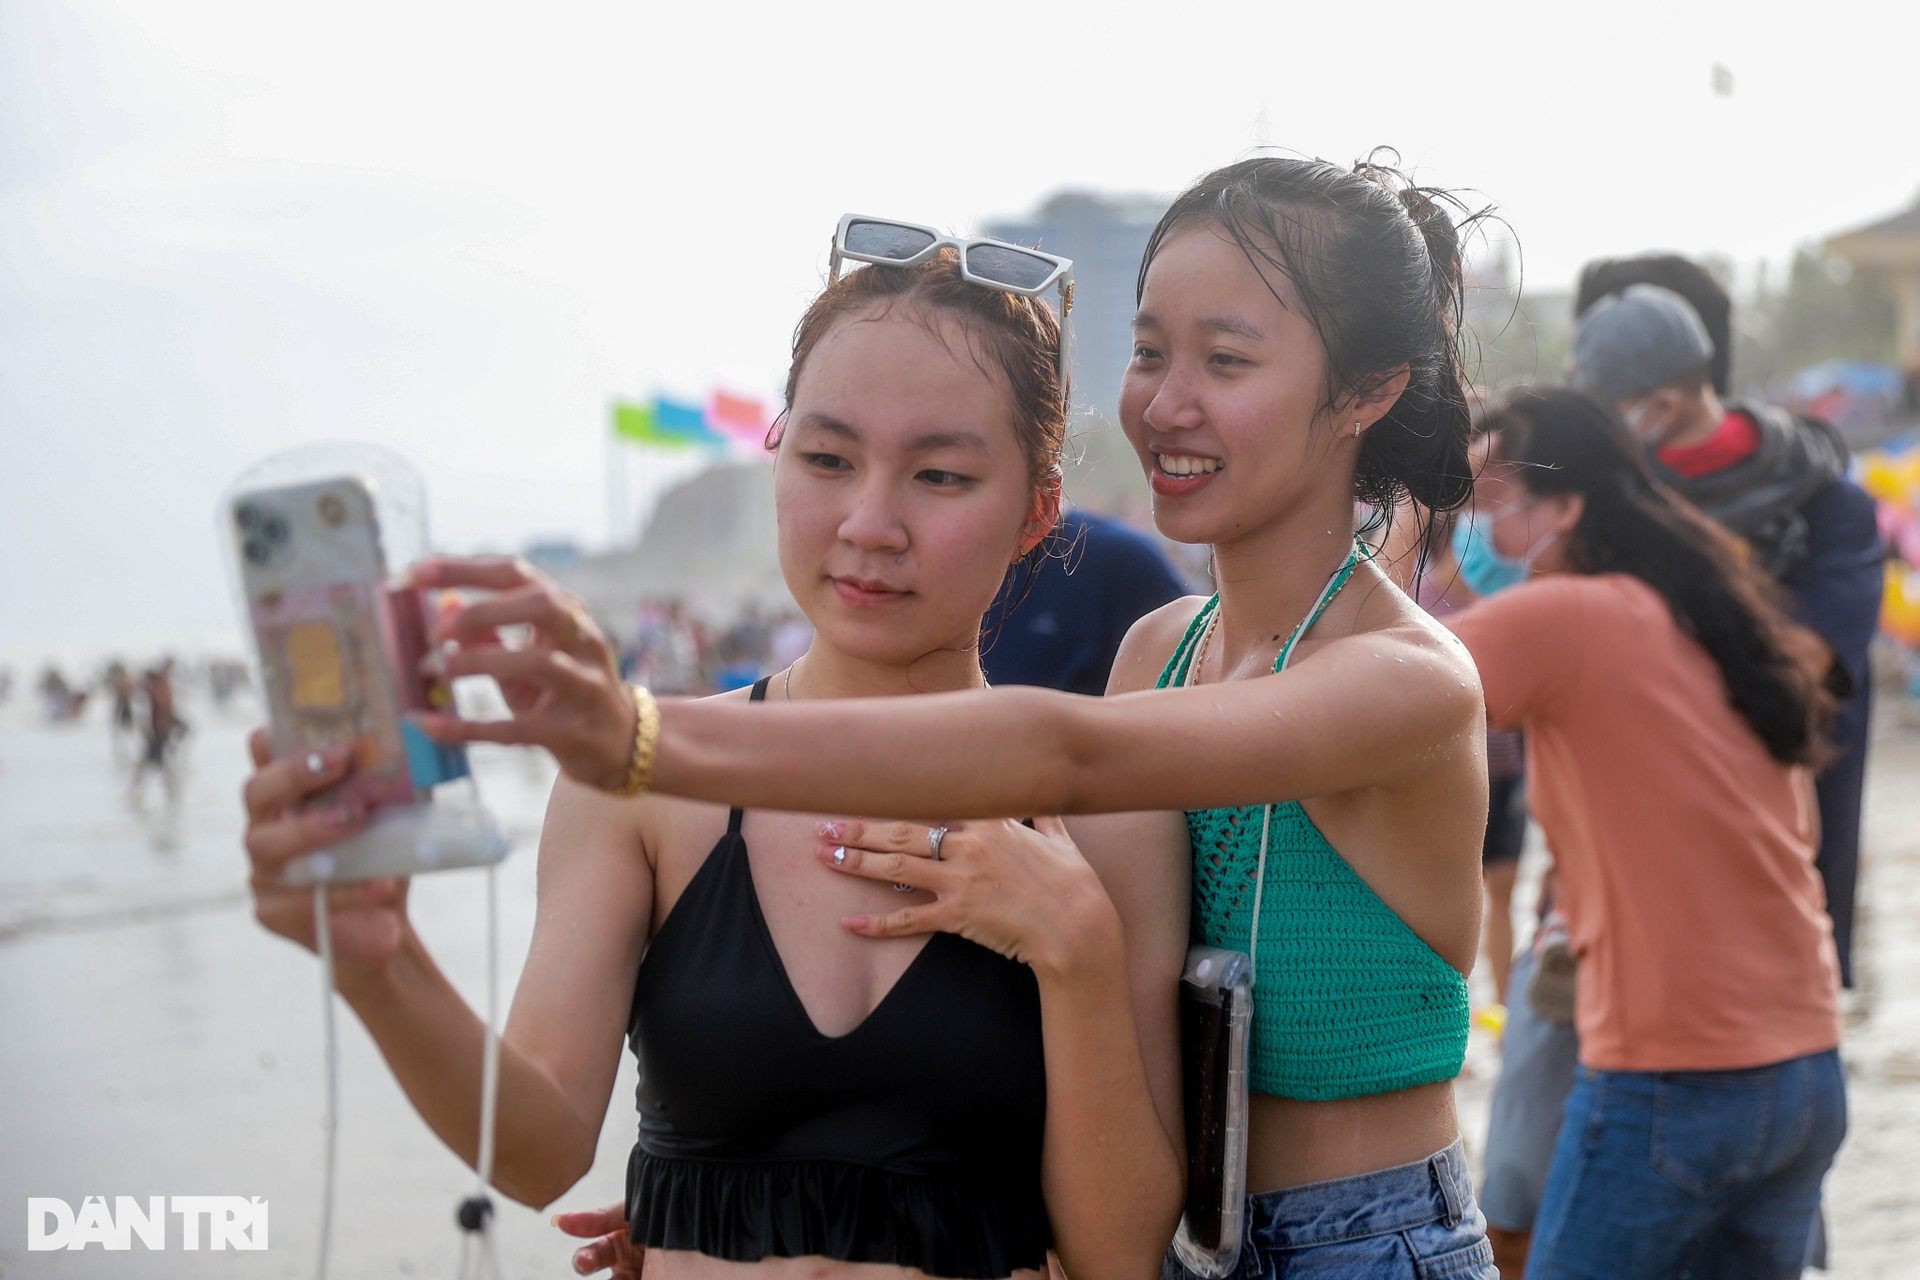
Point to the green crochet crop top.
(1347, 999)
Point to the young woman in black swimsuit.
(812, 1099)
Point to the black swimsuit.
(913, 1140)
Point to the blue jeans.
(1415, 1220)
(1690, 1173)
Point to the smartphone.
(339, 648)
(1216, 1018)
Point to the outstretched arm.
(1365, 711)
(1371, 710)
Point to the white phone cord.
(486, 1262)
(1259, 889)
(330, 1120)
(490, 1061)
(477, 1256)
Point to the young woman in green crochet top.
(1295, 351)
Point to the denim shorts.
(1415, 1220)
(1696, 1173)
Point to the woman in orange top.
(1671, 712)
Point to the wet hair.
(1375, 262)
(1563, 442)
(1020, 336)
(1685, 277)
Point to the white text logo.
(232, 1222)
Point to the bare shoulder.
(1150, 643)
(618, 834)
(1386, 622)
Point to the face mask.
(1485, 570)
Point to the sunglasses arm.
(1066, 335)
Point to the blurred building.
(1889, 250)
(1105, 236)
(710, 543)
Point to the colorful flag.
(744, 418)
(678, 418)
(663, 423)
(636, 423)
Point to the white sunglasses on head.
(994, 264)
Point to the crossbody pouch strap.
(1216, 1028)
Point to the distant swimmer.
(162, 731)
(59, 700)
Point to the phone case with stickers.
(339, 650)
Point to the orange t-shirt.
(1684, 851)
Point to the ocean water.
(154, 1040)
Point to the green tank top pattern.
(1347, 999)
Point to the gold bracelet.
(646, 741)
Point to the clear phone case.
(338, 643)
(1216, 1018)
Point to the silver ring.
(934, 837)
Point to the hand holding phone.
(367, 918)
(562, 686)
(339, 647)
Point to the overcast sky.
(459, 229)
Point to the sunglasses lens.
(886, 240)
(1012, 267)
